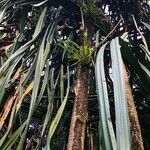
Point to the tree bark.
(137, 141)
(79, 114)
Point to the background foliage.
(37, 77)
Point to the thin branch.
(104, 40)
(82, 28)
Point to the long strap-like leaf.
(121, 111)
(107, 133)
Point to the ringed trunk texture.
(137, 141)
(79, 114)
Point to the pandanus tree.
(74, 74)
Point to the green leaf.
(43, 84)
(62, 83)
(40, 23)
(146, 25)
(121, 108)
(147, 52)
(145, 69)
(107, 133)
(58, 115)
(127, 55)
(19, 52)
(5, 79)
(49, 110)
(39, 4)
(14, 137)
(2, 14)
(37, 77)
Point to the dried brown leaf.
(7, 107)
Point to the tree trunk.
(79, 114)
(137, 141)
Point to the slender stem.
(104, 40)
